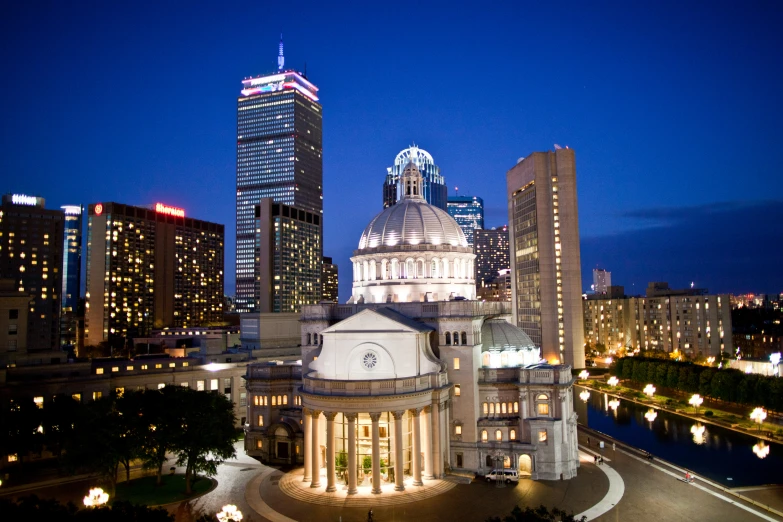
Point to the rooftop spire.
(280, 57)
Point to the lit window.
(542, 436)
(259, 444)
(458, 429)
(486, 409)
(516, 407)
(96, 395)
(98, 371)
(456, 390)
(512, 435)
(200, 385)
(185, 363)
(172, 365)
(213, 384)
(456, 363)
(159, 366)
(498, 435)
(38, 402)
(77, 397)
(484, 436)
(119, 391)
(129, 368)
(12, 457)
(260, 420)
(115, 368)
(161, 386)
(543, 409)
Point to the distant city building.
(14, 311)
(31, 254)
(468, 212)
(288, 257)
(685, 322)
(602, 280)
(71, 274)
(658, 289)
(433, 185)
(492, 254)
(750, 300)
(279, 150)
(329, 280)
(496, 289)
(150, 268)
(545, 265)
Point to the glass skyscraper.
(279, 156)
(72, 269)
(468, 212)
(433, 184)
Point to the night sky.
(674, 110)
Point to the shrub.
(708, 413)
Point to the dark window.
(13, 313)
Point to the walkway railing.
(429, 381)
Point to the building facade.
(150, 268)
(468, 212)
(71, 274)
(545, 257)
(32, 255)
(288, 257)
(279, 148)
(602, 280)
(492, 253)
(329, 280)
(433, 184)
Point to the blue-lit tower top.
(280, 57)
(434, 186)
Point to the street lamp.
(696, 401)
(230, 513)
(96, 498)
(710, 360)
(613, 381)
(760, 449)
(649, 390)
(758, 415)
(584, 374)
(650, 415)
(584, 395)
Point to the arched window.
(485, 359)
(542, 397)
(448, 338)
(510, 407)
(385, 269)
(279, 400)
(409, 269)
(504, 408)
(491, 408)
(486, 408)
(456, 338)
(420, 274)
(445, 268)
(516, 407)
(484, 436)
(434, 272)
(497, 407)
(512, 434)
(285, 399)
(274, 401)
(498, 435)
(309, 340)
(373, 274)
(464, 338)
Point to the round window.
(369, 360)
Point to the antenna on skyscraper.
(280, 57)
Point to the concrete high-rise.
(602, 280)
(433, 184)
(288, 254)
(468, 212)
(279, 151)
(71, 274)
(545, 258)
(329, 280)
(31, 254)
(150, 268)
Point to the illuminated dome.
(505, 345)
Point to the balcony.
(377, 387)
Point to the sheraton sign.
(169, 211)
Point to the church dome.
(499, 334)
(412, 221)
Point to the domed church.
(412, 379)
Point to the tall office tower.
(31, 238)
(278, 156)
(72, 270)
(545, 259)
(434, 186)
(288, 254)
(491, 249)
(329, 280)
(150, 268)
(602, 280)
(468, 212)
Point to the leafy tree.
(19, 433)
(158, 427)
(600, 348)
(58, 422)
(207, 433)
(33, 508)
(672, 377)
(539, 514)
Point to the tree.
(539, 514)
(33, 508)
(158, 428)
(19, 433)
(207, 433)
(58, 422)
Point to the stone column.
(316, 450)
(376, 453)
(437, 458)
(427, 440)
(416, 457)
(398, 458)
(308, 444)
(330, 478)
(350, 418)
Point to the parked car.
(507, 475)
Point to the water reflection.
(731, 458)
(584, 395)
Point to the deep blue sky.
(674, 110)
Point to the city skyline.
(645, 101)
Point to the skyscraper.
(602, 280)
(71, 274)
(279, 151)
(288, 250)
(329, 280)
(150, 268)
(545, 259)
(433, 187)
(32, 255)
(491, 249)
(468, 212)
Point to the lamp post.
(613, 381)
(500, 476)
(649, 390)
(230, 513)
(696, 401)
(758, 415)
(584, 374)
(96, 498)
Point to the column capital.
(415, 411)
(351, 417)
(398, 414)
(426, 409)
(315, 413)
(375, 417)
(330, 415)
(306, 412)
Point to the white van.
(507, 475)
